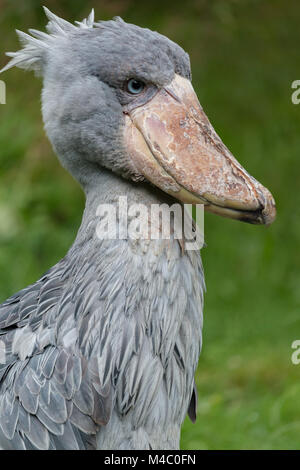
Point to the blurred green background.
(244, 56)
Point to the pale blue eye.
(135, 86)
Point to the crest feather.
(57, 25)
(30, 57)
(87, 22)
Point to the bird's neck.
(106, 197)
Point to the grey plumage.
(101, 351)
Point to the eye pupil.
(135, 86)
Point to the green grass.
(244, 57)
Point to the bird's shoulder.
(29, 304)
(50, 394)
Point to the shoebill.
(101, 352)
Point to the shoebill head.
(120, 97)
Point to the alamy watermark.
(2, 92)
(295, 357)
(184, 223)
(296, 94)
